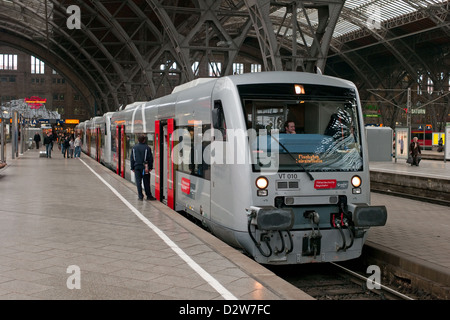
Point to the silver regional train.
(221, 154)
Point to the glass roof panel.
(363, 12)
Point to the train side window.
(193, 151)
(150, 141)
(113, 140)
(218, 121)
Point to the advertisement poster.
(401, 143)
(447, 143)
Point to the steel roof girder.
(259, 11)
(175, 38)
(26, 9)
(99, 45)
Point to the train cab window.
(271, 115)
(327, 134)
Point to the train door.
(88, 142)
(120, 150)
(98, 144)
(163, 164)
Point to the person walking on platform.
(141, 164)
(440, 145)
(71, 148)
(37, 139)
(48, 142)
(66, 146)
(77, 145)
(415, 151)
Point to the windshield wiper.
(290, 154)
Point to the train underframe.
(336, 235)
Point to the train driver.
(289, 127)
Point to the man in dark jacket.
(415, 151)
(142, 158)
(48, 142)
(66, 145)
(37, 139)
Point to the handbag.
(410, 159)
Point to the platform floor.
(56, 213)
(417, 234)
(60, 218)
(427, 168)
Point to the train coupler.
(312, 244)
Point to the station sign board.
(447, 143)
(51, 121)
(72, 121)
(35, 102)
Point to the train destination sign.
(310, 158)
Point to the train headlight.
(356, 181)
(299, 89)
(262, 183)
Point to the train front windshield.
(327, 130)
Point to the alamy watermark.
(74, 20)
(242, 147)
(374, 19)
(374, 281)
(74, 280)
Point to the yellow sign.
(72, 121)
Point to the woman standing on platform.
(415, 150)
(77, 145)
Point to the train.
(221, 155)
(425, 137)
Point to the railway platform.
(430, 181)
(415, 241)
(66, 218)
(72, 229)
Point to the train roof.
(272, 77)
(134, 104)
(290, 77)
(192, 84)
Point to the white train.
(221, 155)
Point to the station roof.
(117, 50)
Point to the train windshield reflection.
(326, 137)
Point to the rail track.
(332, 281)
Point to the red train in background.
(425, 137)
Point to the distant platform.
(429, 181)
